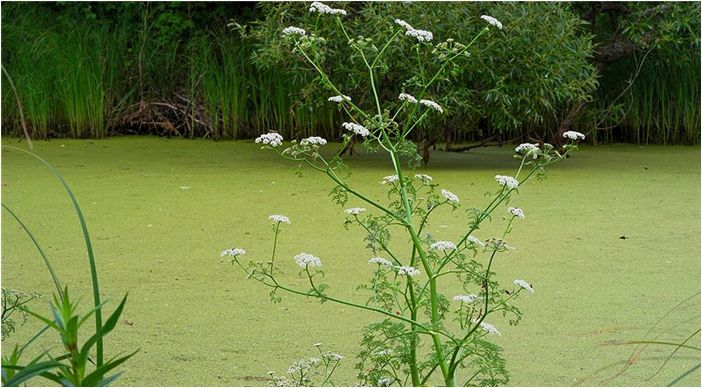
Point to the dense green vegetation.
(218, 70)
(605, 264)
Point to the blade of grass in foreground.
(89, 247)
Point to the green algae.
(611, 242)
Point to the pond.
(610, 242)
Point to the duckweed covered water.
(611, 242)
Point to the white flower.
(573, 135)
(424, 178)
(356, 128)
(318, 344)
(234, 252)
(466, 298)
(325, 9)
(313, 140)
(354, 211)
(332, 356)
(384, 352)
(279, 218)
(489, 328)
(380, 261)
(475, 240)
(407, 97)
(273, 139)
(492, 21)
(339, 98)
(421, 35)
(389, 179)
(298, 365)
(432, 105)
(314, 360)
(508, 181)
(443, 246)
(524, 284)
(385, 382)
(404, 24)
(305, 259)
(451, 197)
(294, 31)
(517, 212)
(525, 148)
(407, 271)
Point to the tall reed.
(663, 105)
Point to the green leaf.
(106, 328)
(94, 378)
(28, 372)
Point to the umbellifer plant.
(422, 334)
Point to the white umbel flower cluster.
(421, 35)
(424, 178)
(390, 179)
(313, 140)
(475, 240)
(573, 135)
(356, 128)
(517, 212)
(492, 21)
(407, 271)
(466, 298)
(332, 356)
(432, 105)
(273, 139)
(524, 284)
(354, 211)
(279, 218)
(339, 98)
(234, 252)
(325, 9)
(385, 382)
(451, 197)
(508, 181)
(288, 31)
(525, 148)
(305, 259)
(407, 97)
(404, 24)
(380, 261)
(490, 329)
(443, 246)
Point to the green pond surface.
(611, 243)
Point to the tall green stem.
(435, 318)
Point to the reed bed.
(93, 80)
